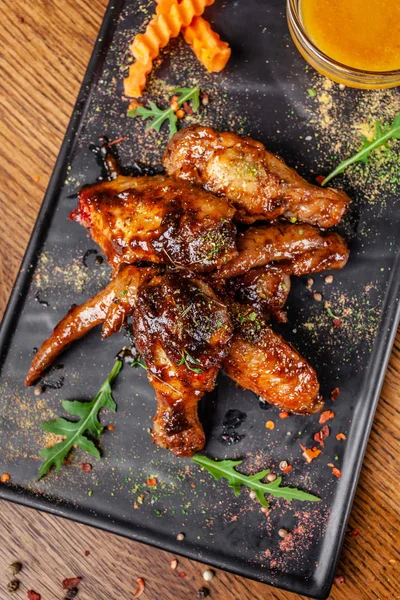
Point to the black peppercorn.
(13, 585)
(203, 593)
(71, 593)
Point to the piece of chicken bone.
(110, 307)
(261, 361)
(258, 183)
(183, 332)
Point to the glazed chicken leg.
(258, 183)
(111, 307)
(183, 333)
(158, 219)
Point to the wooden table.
(45, 48)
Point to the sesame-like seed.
(317, 297)
(329, 279)
(310, 282)
(283, 465)
(38, 390)
(271, 477)
(180, 537)
(252, 495)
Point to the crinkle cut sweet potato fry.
(135, 83)
(207, 45)
(163, 27)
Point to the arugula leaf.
(226, 469)
(159, 116)
(382, 136)
(75, 430)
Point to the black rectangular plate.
(262, 93)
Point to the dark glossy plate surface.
(263, 93)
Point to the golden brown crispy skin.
(303, 248)
(111, 307)
(259, 184)
(265, 288)
(183, 332)
(160, 220)
(261, 361)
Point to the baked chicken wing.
(183, 332)
(158, 219)
(111, 306)
(300, 248)
(258, 183)
(261, 361)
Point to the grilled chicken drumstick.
(258, 183)
(261, 361)
(303, 247)
(158, 219)
(111, 306)
(183, 332)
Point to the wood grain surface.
(45, 46)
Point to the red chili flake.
(174, 104)
(5, 477)
(36, 179)
(187, 108)
(310, 453)
(337, 322)
(86, 553)
(319, 179)
(320, 436)
(336, 472)
(331, 465)
(339, 579)
(72, 582)
(341, 436)
(181, 574)
(67, 461)
(284, 415)
(288, 469)
(21, 20)
(86, 467)
(151, 481)
(33, 595)
(270, 425)
(111, 427)
(326, 415)
(354, 532)
(335, 393)
(140, 587)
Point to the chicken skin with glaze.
(158, 219)
(259, 184)
(183, 332)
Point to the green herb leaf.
(227, 469)
(75, 430)
(382, 136)
(186, 359)
(159, 117)
(139, 363)
(312, 93)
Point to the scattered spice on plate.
(287, 469)
(310, 453)
(270, 425)
(341, 436)
(284, 415)
(72, 582)
(5, 477)
(326, 415)
(337, 473)
(110, 427)
(140, 587)
(151, 481)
